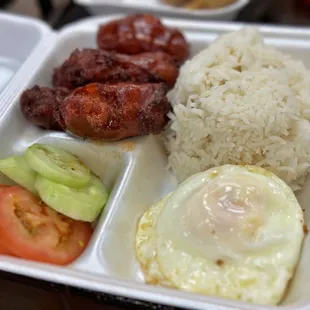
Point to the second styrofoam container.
(19, 37)
(105, 7)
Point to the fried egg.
(231, 231)
(146, 245)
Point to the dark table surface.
(22, 293)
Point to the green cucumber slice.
(17, 169)
(83, 204)
(58, 165)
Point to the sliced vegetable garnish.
(83, 204)
(30, 229)
(4, 250)
(3, 186)
(17, 169)
(58, 165)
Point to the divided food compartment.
(135, 171)
(20, 37)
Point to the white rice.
(241, 102)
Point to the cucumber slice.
(57, 165)
(83, 204)
(17, 169)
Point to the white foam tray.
(19, 37)
(135, 172)
(99, 7)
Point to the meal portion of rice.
(241, 102)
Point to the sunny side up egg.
(231, 231)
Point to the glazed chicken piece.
(142, 33)
(159, 64)
(94, 65)
(40, 106)
(114, 112)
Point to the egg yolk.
(228, 211)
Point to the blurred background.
(33, 7)
(60, 12)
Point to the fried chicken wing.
(159, 64)
(113, 112)
(40, 106)
(142, 33)
(94, 65)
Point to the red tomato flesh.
(3, 249)
(30, 229)
(3, 186)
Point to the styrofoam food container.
(135, 172)
(19, 36)
(100, 7)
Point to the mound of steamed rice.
(241, 102)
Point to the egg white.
(259, 276)
(146, 245)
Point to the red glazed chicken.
(40, 106)
(94, 65)
(142, 33)
(114, 112)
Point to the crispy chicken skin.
(40, 106)
(142, 33)
(159, 64)
(114, 112)
(94, 65)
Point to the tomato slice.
(3, 186)
(4, 250)
(30, 229)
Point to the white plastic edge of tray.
(105, 284)
(28, 68)
(162, 7)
